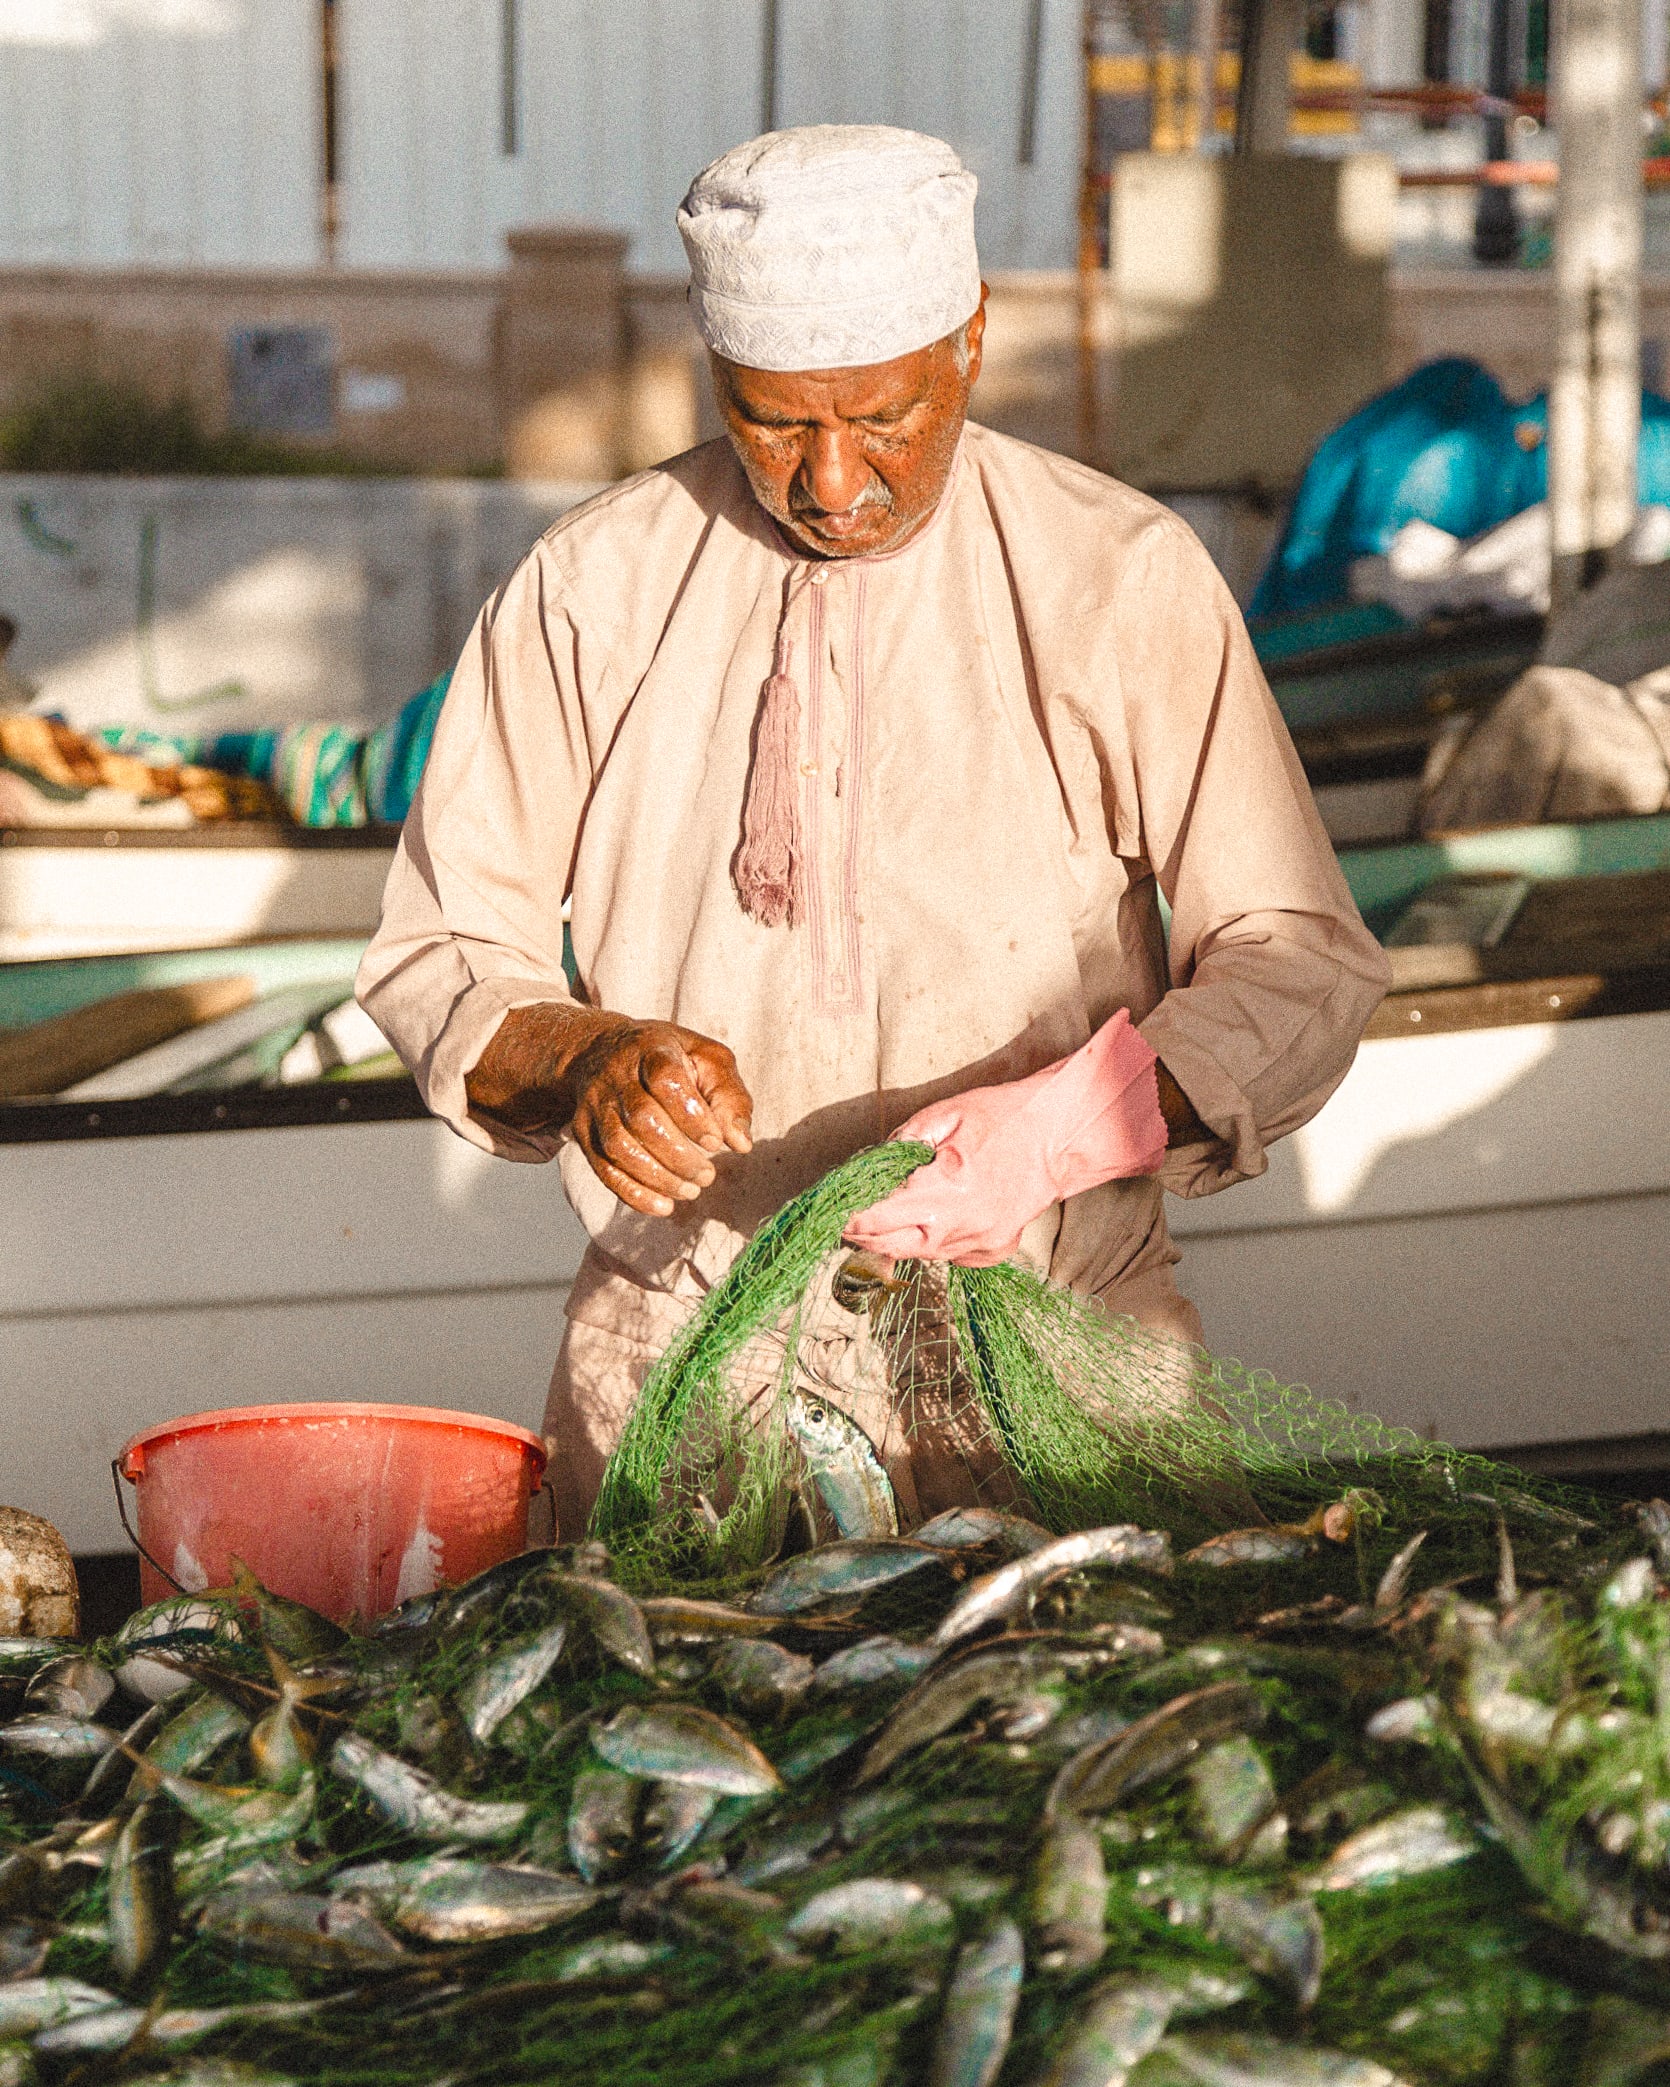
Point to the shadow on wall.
(225, 604)
(1245, 314)
(1462, 1241)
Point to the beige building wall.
(562, 365)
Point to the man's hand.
(648, 1103)
(1003, 1155)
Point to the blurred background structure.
(314, 313)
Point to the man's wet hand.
(648, 1103)
(653, 1103)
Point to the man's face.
(851, 462)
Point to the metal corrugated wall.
(618, 105)
(187, 132)
(160, 132)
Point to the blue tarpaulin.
(1445, 446)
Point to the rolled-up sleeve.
(1273, 975)
(472, 921)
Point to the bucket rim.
(326, 1409)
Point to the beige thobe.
(1018, 732)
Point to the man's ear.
(976, 337)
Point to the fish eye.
(816, 1415)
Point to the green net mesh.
(985, 1385)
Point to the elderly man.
(866, 744)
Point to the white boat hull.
(1472, 1240)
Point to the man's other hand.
(648, 1103)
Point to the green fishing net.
(986, 1385)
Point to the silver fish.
(760, 1677)
(141, 1908)
(1235, 1801)
(676, 1619)
(509, 1678)
(602, 1820)
(608, 1958)
(444, 1899)
(112, 1772)
(1411, 1719)
(678, 1743)
(843, 1465)
(1654, 1518)
(74, 1687)
(195, 1734)
(879, 1662)
(947, 1693)
(1112, 2030)
(52, 1737)
(1408, 1844)
(973, 1528)
(997, 1596)
(1278, 1938)
(114, 2028)
(674, 1816)
(840, 1572)
(248, 1817)
(279, 1749)
(613, 1618)
(1250, 1547)
(416, 1802)
(1069, 1897)
(978, 2018)
(300, 1930)
(24, 1946)
(1394, 1581)
(1263, 2061)
(1100, 1777)
(866, 1912)
(182, 1623)
(30, 2005)
(20, 1655)
(788, 1852)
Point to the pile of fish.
(1298, 1808)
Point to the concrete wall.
(563, 365)
(1504, 318)
(161, 132)
(205, 605)
(435, 336)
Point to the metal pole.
(1092, 203)
(1495, 218)
(1594, 402)
(1208, 29)
(770, 36)
(1269, 37)
(1032, 69)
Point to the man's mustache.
(875, 494)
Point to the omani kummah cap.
(831, 246)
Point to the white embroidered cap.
(830, 246)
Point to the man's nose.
(833, 470)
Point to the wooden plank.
(1509, 1003)
(49, 1056)
(1567, 927)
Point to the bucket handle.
(116, 1476)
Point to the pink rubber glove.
(1003, 1155)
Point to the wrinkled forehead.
(854, 391)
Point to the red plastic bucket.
(349, 1508)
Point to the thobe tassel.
(766, 871)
